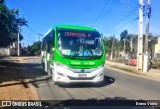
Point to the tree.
(123, 35)
(9, 24)
(108, 43)
(36, 48)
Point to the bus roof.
(70, 27)
(74, 27)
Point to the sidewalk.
(154, 73)
(15, 58)
(14, 83)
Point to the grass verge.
(129, 70)
(124, 69)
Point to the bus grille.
(81, 70)
(77, 78)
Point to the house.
(10, 50)
(157, 46)
(157, 50)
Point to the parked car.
(131, 59)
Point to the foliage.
(9, 22)
(123, 35)
(34, 49)
(108, 44)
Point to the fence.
(117, 57)
(7, 51)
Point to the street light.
(130, 42)
(39, 35)
(112, 47)
(127, 40)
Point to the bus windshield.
(80, 44)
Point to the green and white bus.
(73, 54)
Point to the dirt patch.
(130, 71)
(13, 82)
(16, 91)
(125, 69)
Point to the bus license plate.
(82, 75)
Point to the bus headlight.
(61, 65)
(60, 74)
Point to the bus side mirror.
(101, 35)
(53, 49)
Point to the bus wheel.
(55, 83)
(49, 72)
(42, 65)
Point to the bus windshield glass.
(80, 44)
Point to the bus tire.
(49, 72)
(55, 82)
(43, 65)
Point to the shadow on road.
(18, 73)
(111, 103)
(107, 81)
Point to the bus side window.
(52, 40)
(52, 36)
(47, 47)
(51, 43)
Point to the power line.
(134, 2)
(119, 2)
(27, 40)
(128, 25)
(32, 30)
(124, 25)
(111, 10)
(122, 20)
(101, 12)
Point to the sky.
(109, 17)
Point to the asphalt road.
(116, 86)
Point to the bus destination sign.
(77, 34)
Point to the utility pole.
(116, 55)
(18, 41)
(146, 55)
(131, 44)
(112, 48)
(147, 27)
(140, 38)
(124, 46)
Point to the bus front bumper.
(67, 76)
